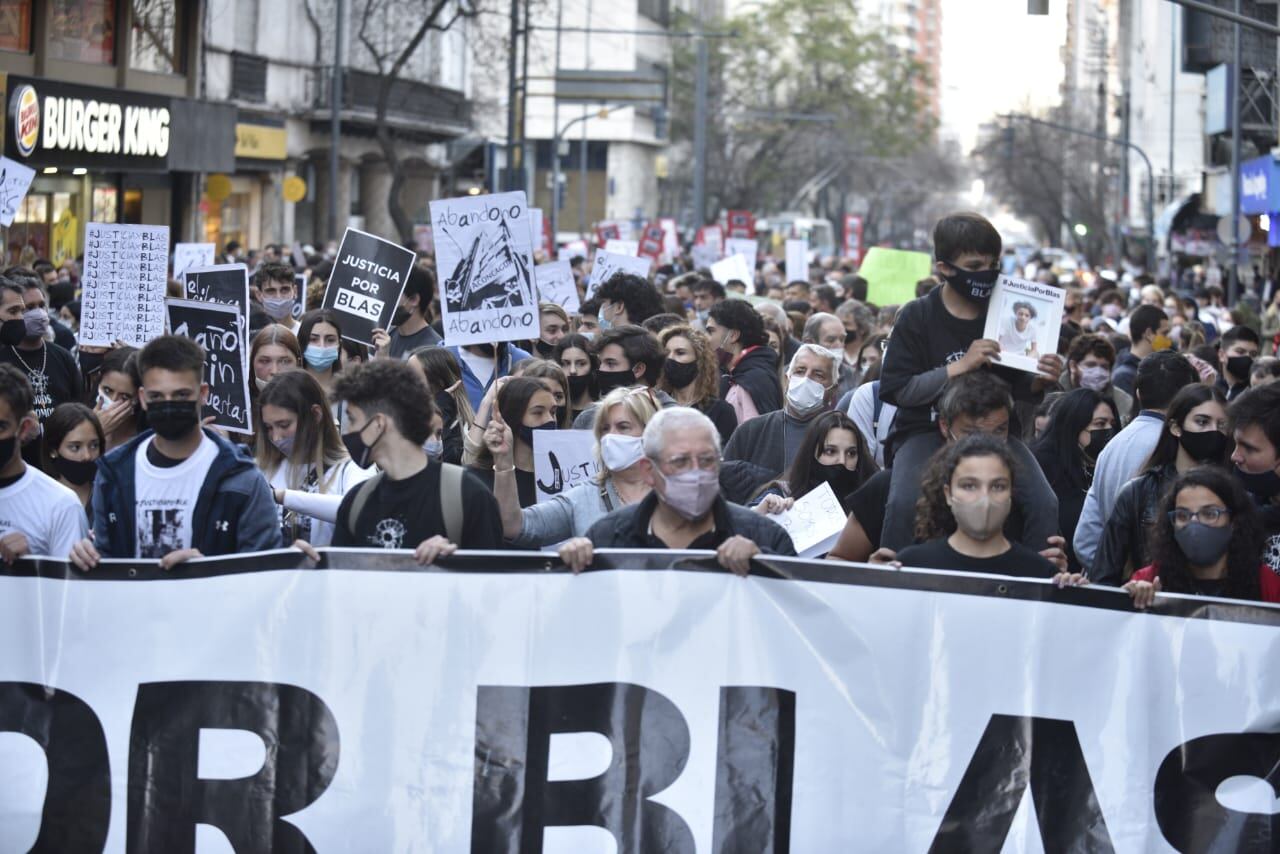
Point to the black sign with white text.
(217, 328)
(366, 283)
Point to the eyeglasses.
(685, 462)
(1182, 517)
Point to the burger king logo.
(26, 119)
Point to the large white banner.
(256, 704)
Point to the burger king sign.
(26, 119)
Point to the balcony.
(433, 112)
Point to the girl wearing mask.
(620, 481)
(573, 354)
(832, 451)
(504, 455)
(554, 322)
(320, 336)
(274, 349)
(554, 380)
(1194, 434)
(1207, 541)
(439, 367)
(965, 499)
(1081, 423)
(73, 441)
(116, 406)
(692, 376)
(299, 450)
(869, 357)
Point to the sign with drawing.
(188, 255)
(15, 180)
(1025, 318)
(607, 265)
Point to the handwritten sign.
(125, 274)
(728, 269)
(797, 260)
(556, 285)
(1025, 318)
(15, 180)
(188, 255)
(217, 328)
(484, 254)
(224, 284)
(892, 274)
(748, 249)
(607, 265)
(622, 247)
(814, 521)
(562, 459)
(366, 283)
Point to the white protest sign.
(535, 227)
(734, 267)
(562, 459)
(670, 237)
(704, 257)
(1025, 318)
(15, 180)
(797, 260)
(622, 247)
(188, 255)
(573, 249)
(556, 285)
(814, 521)
(748, 249)
(607, 264)
(125, 276)
(484, 255)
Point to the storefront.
(251, 212)
(105, 155)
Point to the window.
(83, 30)
(157, 37)
(15, 25)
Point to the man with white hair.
(685, 509)
(771, 440)
(827, 330)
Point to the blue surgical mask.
(433, 447)
(703, 315)
(605, 323)
(320, 358)
(278, 309)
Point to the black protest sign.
(225, 284)
(300, 300)
(366, 283)
(218, 329)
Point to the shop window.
(15, 25)
(157, 37)
(83, 30)
(34, 208)
(132, 207)
(104, 204)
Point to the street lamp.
(601, 113)
(1081, 230)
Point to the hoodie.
(756, 373)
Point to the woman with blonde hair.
(622, 479)
(692, 376)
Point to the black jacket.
(757, 373)
(1124, 539)
(739, 480)
(628, 527)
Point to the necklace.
(39, 379)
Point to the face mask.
(173, 419)
(90, 363)
(544, 349)
(981, 519)
(1201, 544)
(1265, 486)
(850, 336)
(842, 480)
(1095, 377)
(12, 332)
(320, 358)
(1239, 367)
(703, 315)
(7, 447)
(1098, 440)
(261, 384)
(284, 445)
(36, 322)
(621, 452)
(433, 448)
(723, 358)
(691, 493)
(609, 380)
(1205, 447)
(400, 317)
(1161, 342)
(356, 447)
(1112, 311)
(604, 323)
(590, 336)
(526, 432)
(105, 403)
(973, 285)
(805, 396)
(278, 309)
(77, 472)
(679, 374)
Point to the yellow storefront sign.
(261, 142)
(65, 239)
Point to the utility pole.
(700, 137)
(335, 118)
(1233, 280)
(509, 183)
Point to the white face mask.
(105, 403)
(806, 396)
(620, 451)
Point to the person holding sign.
(832, 451)
(180, 491)
(411, 324)
(506, 455)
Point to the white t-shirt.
(481, 366)
(166, 499)
(47, 513)
(316, 511)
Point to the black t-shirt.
(61, 376)
(526, 485)
(1018, 560)
(721, 415)
(868, 503)
(401, 514)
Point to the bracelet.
(503, 471)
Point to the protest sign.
(607, 230)
(814, 521)
(622, 247)
(495, 698)
(573, 249)
(188, 255)
(748, 249)
(300, 299)
(15, 180)
(299, 257)
(562, 459)
(853, 237)
(217, 329)
(607, 264)
(798, 260)
(651, 240)
(704, 257)
(670, 238)
(733, 267)
(225, 284)
(123, 286)
(1025, 318)
(556, 285)
(892, 274)
(742, 224)
(536, 232)
(710, 235)
(366, 283)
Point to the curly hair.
(1244, 553)
(707, 384)
(1020, 304)
(933, 514)
(640, 299)
(391, 387)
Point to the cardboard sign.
(607, 264)
(797, 260)
(218, 330)
(892, 274)
(606, 231)
(710, 235)
(1026, 319)
(556, 285)
(188, 255)
(814, 521)
(366, 283)
(670, 237)
(424, 240)
(484, 254)
(224, 284)
(123, 288)
(748, 249)
(299, 257)
(622, 247)
(562, 459)
(734, 267)
(742, 224)
(535, 229)
(15, 180)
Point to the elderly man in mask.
(685, 509)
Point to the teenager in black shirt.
(52, 372)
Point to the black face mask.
(1098, 440)
(842, 480)
(401, 316)
(77, 472)
(680, 374)
(1206, 447)
(7, 447)
(91, 363)
(1265, 486)
(578, 386)
(13, 332)
(173, 419)
(61, 293)
(850, 336)
(609, 380)
(544, 349)
(973, 285)
(1239, 367)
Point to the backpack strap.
(451, 501)
(363, 490)
(877, 404)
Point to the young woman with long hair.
(274, 349)
(117, 403)
(439, 368)
(691, 375)
(574, 354)
(556, 381)
(320, 336)
(522, 406)
(831, 451)
(73, 442)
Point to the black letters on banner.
(368, 278)
(77, 800)
(1013, 752)
(755, 760)
(219, 331)
(513, 801)
(167, 799)
(1192, 818)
